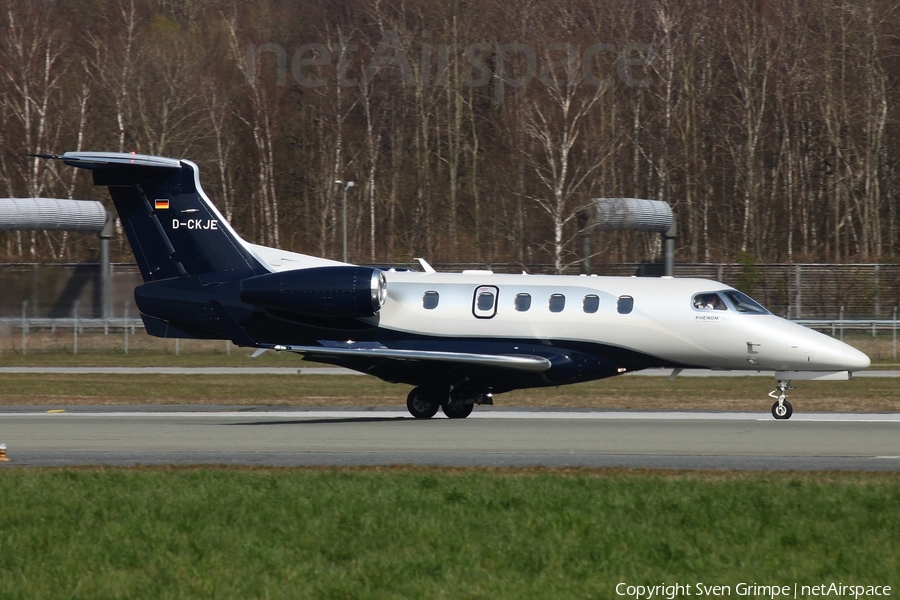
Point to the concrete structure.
(54, 214)
(635, 214)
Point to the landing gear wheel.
(457, 411)
(421, 405)
(783, 411)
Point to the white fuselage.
(663, 322)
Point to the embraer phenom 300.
(459, 338)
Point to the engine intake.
(329, 292)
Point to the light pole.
(347, 185)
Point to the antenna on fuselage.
(425, 266)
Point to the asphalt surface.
(491, 437)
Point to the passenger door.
(484, 303)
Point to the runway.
(491, 437)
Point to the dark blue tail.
(173, 228)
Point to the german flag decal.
(162, 205)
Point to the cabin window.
(709, 302)
(591, 303)
(625, 305)
(430, 300)
(485, 300)
(523, 302)
(484, 305)
(744, 303)
(557, 303)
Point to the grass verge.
(434, 533)
(57, 349)
(626, 392)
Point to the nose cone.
(858, 360)
(828, 353)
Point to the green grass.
(54, 350)
(239, 357)
(46, 348)
(627, 392)
(434, 533)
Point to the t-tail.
(173, 228)
(201, 279)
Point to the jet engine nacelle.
(328, 292)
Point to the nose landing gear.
(782, 409)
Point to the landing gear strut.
(782, 409)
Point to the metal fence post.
(25, 327)
(75, 315)
(895, 333)
(842, 323)
(877, 291)
(126, 327)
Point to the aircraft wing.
(522, 362)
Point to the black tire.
(786, 413)
(421, 405)
(457, 411)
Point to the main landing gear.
(423, 403)
(782, 409)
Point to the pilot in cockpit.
(709, 302)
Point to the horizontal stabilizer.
(519, 362)
(97, 160)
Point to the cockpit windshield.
(734, 299)
(710, 301)
(744, 303)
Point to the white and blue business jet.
(459, 338)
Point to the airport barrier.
(797, 291)
(21, 335)
(21, 328)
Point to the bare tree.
(113, 64)
(556, 122)
(261, 124)
(33, 71)
(751, 52)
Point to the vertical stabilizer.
(173, 228)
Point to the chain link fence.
(46, 307)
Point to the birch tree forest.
(473, 131)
